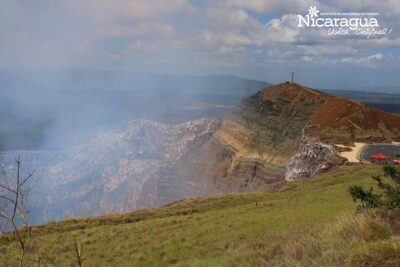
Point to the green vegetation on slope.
(295, 225)
(389, 196)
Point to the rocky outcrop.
(312, 158)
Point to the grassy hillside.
(308, 223)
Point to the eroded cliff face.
(312, 157)
(111, 173)
(148, 164)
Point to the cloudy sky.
(249, 38)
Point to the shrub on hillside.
(388, 196)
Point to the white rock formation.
(312, 158)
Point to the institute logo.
(343, 23)
(313, 11)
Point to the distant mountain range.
(389, 102)
(381, 89)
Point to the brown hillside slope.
(286, 109)
(339, 120)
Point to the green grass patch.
(235, 230)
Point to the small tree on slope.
(389, 196)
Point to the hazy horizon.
(369, 88)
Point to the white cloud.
(378, 56)
(282, 30)
(386, 8)
(141, 46)
(142, 29)
(229, 50)
(106, 10)
(228, 16)
(264, 6)
(236, 39)
(136, 48)
(368, 61)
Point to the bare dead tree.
(13, 207)
(78, 253)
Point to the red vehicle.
(379, 158)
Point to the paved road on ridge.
(388, 149)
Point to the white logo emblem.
(313, 11)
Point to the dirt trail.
(355, 125)
(354, 154)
